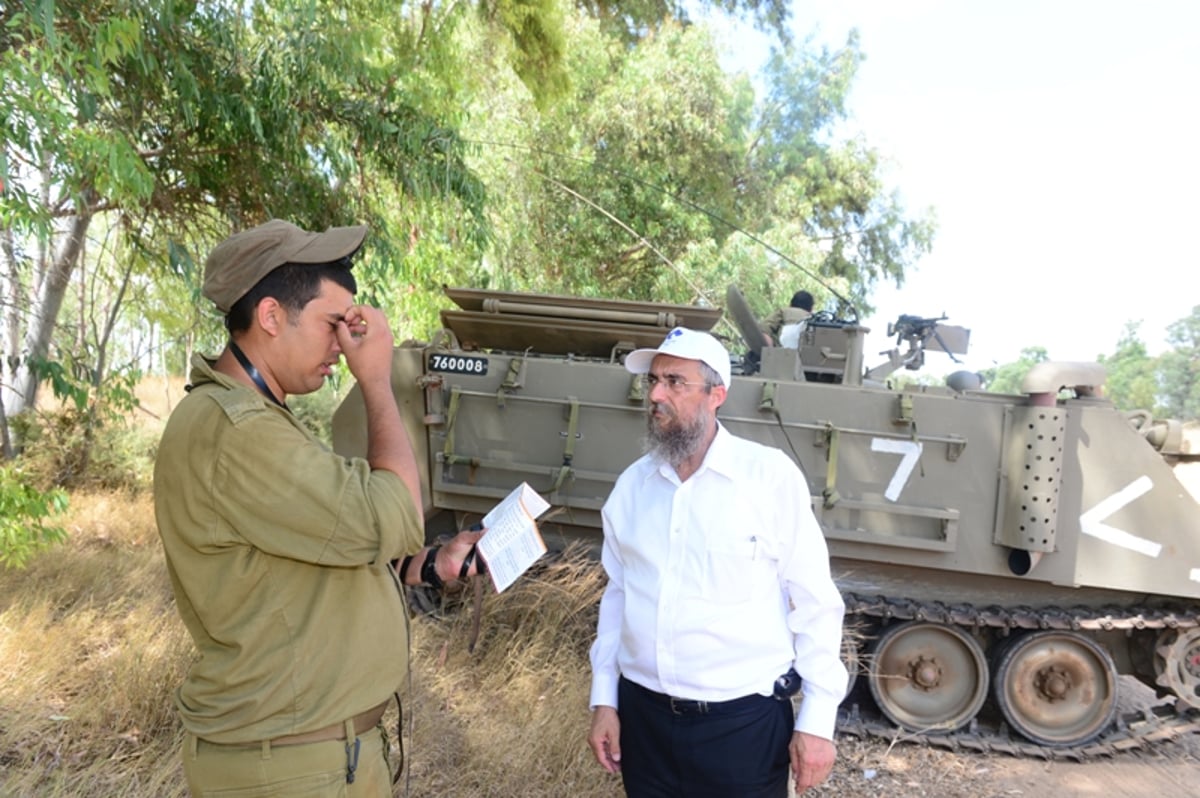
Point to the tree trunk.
(44, 315)
(10, 333)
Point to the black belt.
(691, 706)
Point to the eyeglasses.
(674, 383)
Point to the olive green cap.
(240, 261)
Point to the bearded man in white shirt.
(719, 601)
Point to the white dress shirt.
(701, 576)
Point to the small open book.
(512, 542)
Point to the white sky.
(1059, 144)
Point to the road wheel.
(928, 677)
(1057, 689)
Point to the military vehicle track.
(1129, 731)
(1132, 731)
(996, 617)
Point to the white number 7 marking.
(910, 451)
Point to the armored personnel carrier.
(1005, 558)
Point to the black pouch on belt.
(788, 685)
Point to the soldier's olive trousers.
(314, 770)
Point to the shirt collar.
(718, 458)
(204, 372)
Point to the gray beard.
(676, 442)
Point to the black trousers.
(733, 749)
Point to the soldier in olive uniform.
(281, 553)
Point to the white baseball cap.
(687, 344)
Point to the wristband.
(464, 574)
(429, 574)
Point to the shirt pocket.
(735, 568)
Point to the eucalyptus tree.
(591, 188)
(1131, 382)
(832, 184)
(1179, 368)
(176, 121)
(630, 20)
(660, 176)
(1006, 378)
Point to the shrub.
(25, 513)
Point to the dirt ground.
(1169, 769)
(1166, 776)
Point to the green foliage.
(660, 178)
(513, 144)
(195, 112)
(315, 410)
(1131, 382)
(70, 448)
(1180, 368)
(904, 380)
(85, 440)
(65, 387)
(122, 458)
(1007, 378)
(1167, 385)
(536, 27)
(834, 189)
(630, 21)
(26, 516)
(71, 380)
(172, 123)
(647, 143)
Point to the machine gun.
(921, 334)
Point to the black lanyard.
(253, 374)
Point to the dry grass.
(91, 650)
(509, 719)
